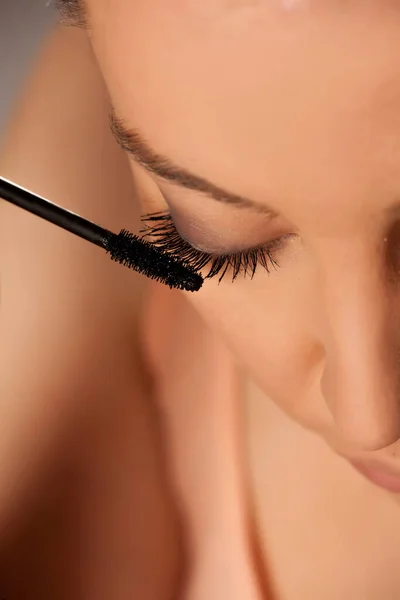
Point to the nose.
(360, 381)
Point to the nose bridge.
(360, 382)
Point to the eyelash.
(160, 227)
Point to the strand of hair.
(72, 12)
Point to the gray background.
(22, 26)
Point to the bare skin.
(294, 106)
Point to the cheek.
(271, 331)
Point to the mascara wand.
(124, 247)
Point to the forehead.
(231, 87)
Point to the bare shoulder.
(59, 145)
(71, 361)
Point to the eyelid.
(202, 240)
(274, 243)
(205, 238)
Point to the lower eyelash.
(160, 227)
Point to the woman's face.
(293, 110)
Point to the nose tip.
(372, 441)
(365, 408)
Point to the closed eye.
(160, 228)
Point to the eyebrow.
(132, 142)
(73, 12)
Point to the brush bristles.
(144, 257)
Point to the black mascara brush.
(124, 247)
